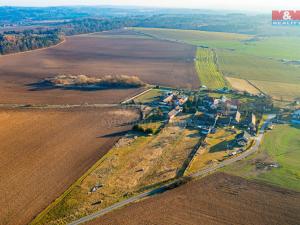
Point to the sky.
(249, 5)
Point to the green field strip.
(207, 69)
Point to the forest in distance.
(26, 28)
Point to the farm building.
(168, 99)
(225, 106)
(243, 138)
(253, 121)
(296, 117)
(237, 117)
(174, 112)
(182, 100)
(205, 130)
(224, 121)
(204, 119)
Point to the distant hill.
(193, 19)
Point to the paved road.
(245, 154)
(116, 206)
(136, 96)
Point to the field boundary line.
(216, 60)
(253, 85)
(157, 37)
(192, 155)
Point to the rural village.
(180, 132)
(237, 113)
(128, 116)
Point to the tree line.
(19, 41)
(12, 42)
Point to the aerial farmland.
(64, 153)
(131, 115)
(155, 62)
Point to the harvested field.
(242, 85)
(43, 152)
(214, 200)
(154, 61)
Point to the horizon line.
(139, 6)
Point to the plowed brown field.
(214, 200)
(154, 61)
(43, 152)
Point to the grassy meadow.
(280, 145)
(150, 96)
(242, 85)
(279, 90)
(274, 47)
(238, 65)
(198, 38)
(281, 81)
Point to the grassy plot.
(271, 76)
(237, 65)
(279, 90)
(135, 164)
(215, 150)
(242, 85)
(150, 96)
(151, 127)
(275, 47)
(206, 67)
(281, 146)
(116, 34)
(199, 38)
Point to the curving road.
(163, 188)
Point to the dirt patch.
(42, 152)
(153, 61)
(242, 85)
(215, 200)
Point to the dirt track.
(42, 152)
(215, 200)
(156, 62)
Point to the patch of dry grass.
(215, 150)
(242, 85)
(279, 90)
(127, 169)
(86, 81)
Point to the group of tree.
(24, 40)
(12, 42)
